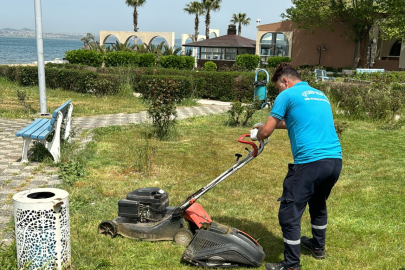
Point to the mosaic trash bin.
(42, 228)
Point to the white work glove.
(258, 125)
(254, 130)
(253, 134)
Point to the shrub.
(210, 66)
(85, 57)
(163, 107)
(248, 61)
(147, 59)
(240, 114)
(121, 58)
(276, 60)
(376, 101)
(190, 61)
(176, 61)
(182, 86)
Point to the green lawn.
(366, 209)
(84, 104)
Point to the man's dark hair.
(284, 69)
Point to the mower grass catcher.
(145, 214)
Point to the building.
(224, 49)
(326, 48)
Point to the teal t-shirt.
(309, 120)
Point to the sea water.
(18, 50)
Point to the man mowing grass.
(307, 115)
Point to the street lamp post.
(41, 64)
(319, 49)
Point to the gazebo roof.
(227, 41)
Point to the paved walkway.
(16, 176)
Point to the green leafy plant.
(177, 61)
(248, 61)
(276, 60)
(40, 153)
(22, 97)
(240, 114)
(210, 66)
(71, 171)
(163, 107)
(85, 57)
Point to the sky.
(92, 16)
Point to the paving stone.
(11, 171)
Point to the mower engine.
(144, 205)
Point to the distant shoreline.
(30, 37)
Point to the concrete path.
(16, 176)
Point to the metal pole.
(40, 52)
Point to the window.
(273, 44)
(218, 53)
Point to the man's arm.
(271, 124)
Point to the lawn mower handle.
(239, 164)
(256, 150)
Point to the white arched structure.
(146, 37)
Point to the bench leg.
(26, 144)
(54, 148)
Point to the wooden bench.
(41, 128)
(320, 74)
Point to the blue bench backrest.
(370, 70)
(64, 108)
(321, 73)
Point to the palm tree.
(135, 4)
(197, 9)
(88, 40)
(171, 50)
(210, 5)
(123, 46)
(241, 19)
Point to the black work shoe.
(281, 266)
(317, 253)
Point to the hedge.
(374, 101)
(126, 58)
(177, 62)
(183, 86)
(276, 60)
(85, 57)
(82, 81)
(226, 86)
(248, 61)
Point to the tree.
(88, 40)
(240, 19)
(393, 24)
(171, 50)
(210, 5)
(358, 16)
(123, 46)
(197, 9)
(135, 4)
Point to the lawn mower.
(145, 214)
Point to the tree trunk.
(239, 29)
(135, 26)
(207, 25)
(196, 28)
(135, 20)
(356, 57)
